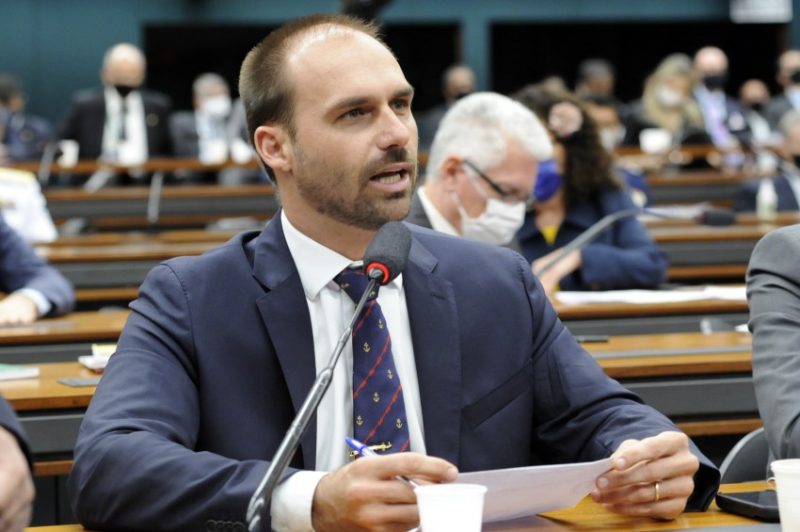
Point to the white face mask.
(216, 106)
(496, 225)
(668, 97)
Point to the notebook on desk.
(12, 371)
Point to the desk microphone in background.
(712, 217)
(385, 259)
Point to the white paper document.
(523, 491)
(728, 293)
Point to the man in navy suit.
(33, 287)
(16, 483)
(220, 350)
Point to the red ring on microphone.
(382, 268)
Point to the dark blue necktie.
(379, 413)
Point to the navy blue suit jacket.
(20, 267)
(624, 256)
(745, 199)
(218, 355)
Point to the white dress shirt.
(132, 150)
(330, 310)
(438, 222)
(24, 207)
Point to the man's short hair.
(204, 83)
(263, 87)
(590, 68)
(479, 126)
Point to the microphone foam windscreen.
(389, 248)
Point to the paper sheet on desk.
(522, 491)
(728, 293)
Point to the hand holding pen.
(364, 450)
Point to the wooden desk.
(190, 206)
(629, 318)
(588, 515)
(59, 339)
(695, 186)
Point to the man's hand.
(16, 486)
(17, 308)
(651, 477)
(553, 276)
(364, 494)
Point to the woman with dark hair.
(572, 192)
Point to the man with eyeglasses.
(481, 169)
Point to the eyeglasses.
(507, 196)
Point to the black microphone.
(385, 259)
(713, 217)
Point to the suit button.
(211, 526)
(238, 527)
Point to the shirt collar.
(316, 264)
(438, 222)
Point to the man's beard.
(365, 210)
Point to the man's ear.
(275, 148)
(451, 168)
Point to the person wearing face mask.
(789, 79)
(22, 136)
(480, 169)
(755, 98)
(723, 117)
(571, 193)
(206, 133)
(786, 184)
(122, 122)
(667, 104)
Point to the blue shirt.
(624, 256)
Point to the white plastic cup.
(448, 507)
(787, 479)
(69, 153)
(655, 141)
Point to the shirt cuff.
(291, 501)
(43, 305)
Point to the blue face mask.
(548, 181)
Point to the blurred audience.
(722, 115)
(755, 98)
(122, 122)
(571, 193)
(22, 136)
(33, 288)
(24, 207)
(595, 77)
(789, 79)
(786, 184)
(480, 169)
(667, 104)
(457, 81)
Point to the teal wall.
(56, 45)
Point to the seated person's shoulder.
(10, 177)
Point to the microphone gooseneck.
(385, 259)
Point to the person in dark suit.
(723, 116)
(122, 122)
(480, 169)
(16, 482)
(773, 295)
(786, 184)
(571, 193)
(33, 287)
(220, 349)
(789, 78)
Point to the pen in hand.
(364, 450)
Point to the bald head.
(123, 64)
(789, 68)
(458, 81)
(711, 67)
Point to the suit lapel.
(435, 333)
(284, 312)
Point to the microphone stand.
(256, 509)
(600, 226)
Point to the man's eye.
(354, 113)
(401, 104)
